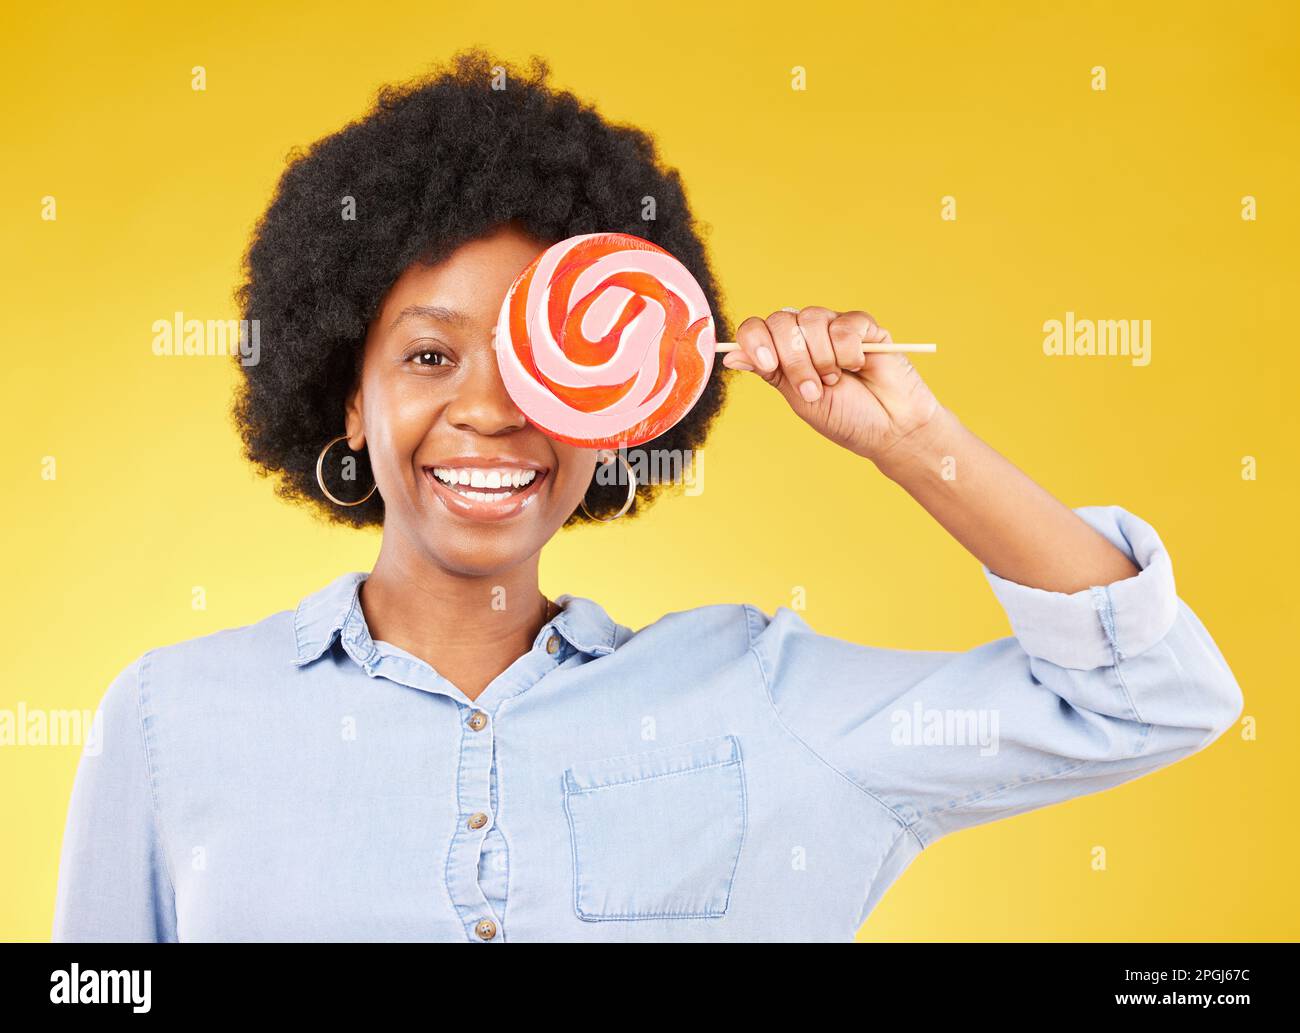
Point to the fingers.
(802, 350)
(847, 332)
(814, 323)
(796, 361)
(754, 350)
(852, 333)
(881, 368)
(876, 334)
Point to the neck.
(467, 628)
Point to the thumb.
(750, 356)
(739, 360)
(777, 378)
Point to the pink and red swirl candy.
(605, 341)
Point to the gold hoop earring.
(320, 478)
(607, 456)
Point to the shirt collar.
(322, 616)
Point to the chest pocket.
(657, 834)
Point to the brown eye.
(428, 358)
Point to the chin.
(479, 555)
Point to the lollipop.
(606, 341)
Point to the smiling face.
(465, 479)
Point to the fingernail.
(830, 379)
(766, 360)
(811, 390)
(738, 364)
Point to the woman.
(436, 751)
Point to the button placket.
(474, 806)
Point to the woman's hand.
(813, 356)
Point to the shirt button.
(477, 721)
(486, 929)
(478, 820)
(553, 644)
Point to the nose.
(481, 403)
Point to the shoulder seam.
(767, 694)
(149, 772)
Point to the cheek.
(397, 422)
(576, 468)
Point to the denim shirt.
(722, 774)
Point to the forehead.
(472, 280)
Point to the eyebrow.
(438, 313)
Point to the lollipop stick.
(883, 349)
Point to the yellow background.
(1123, 204)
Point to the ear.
(354, 420)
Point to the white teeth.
(478, 477)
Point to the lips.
(485, 491)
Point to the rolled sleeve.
(1098, 626)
